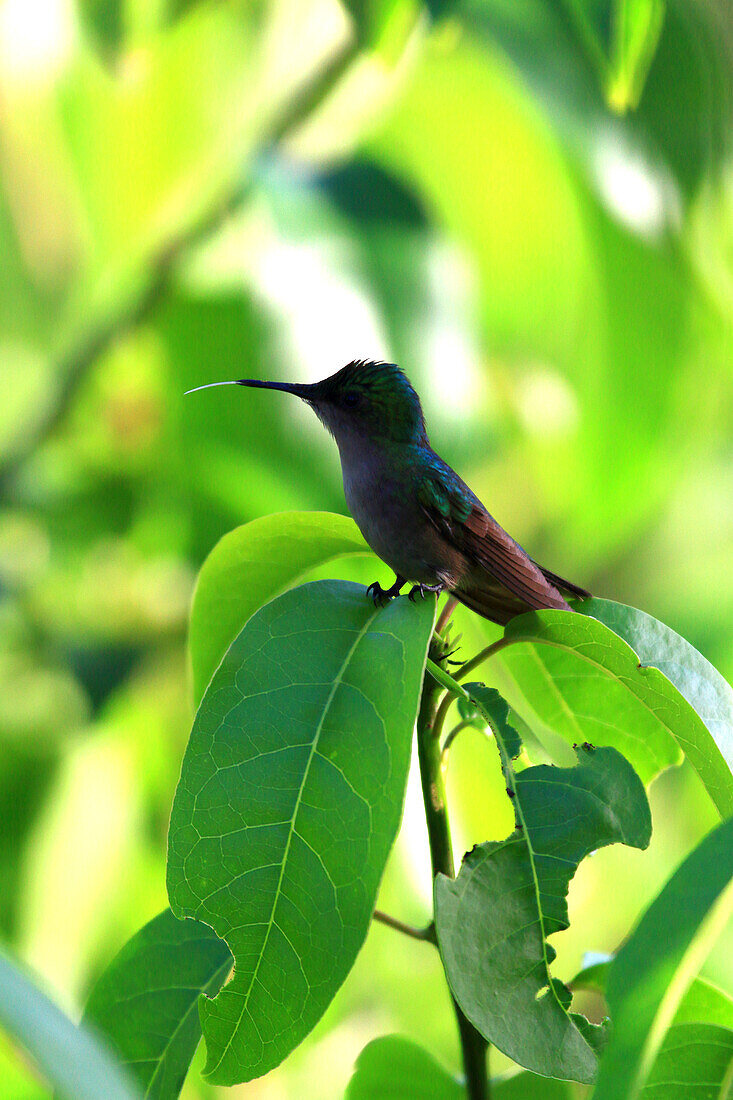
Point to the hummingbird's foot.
(421, 589)
(382, 596)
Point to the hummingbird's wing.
(504, 580)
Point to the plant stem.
(451, 683)
(425, 934)
(474, 1048)
(444, 617)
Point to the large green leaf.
(393, 1068)
(252, 564)
(695, 1062)
(616, 676)
(651, 973)
(289, 801)
(493, 920)
(146, 1001)
(702, 1003)
(71, 1058)
(708, 693)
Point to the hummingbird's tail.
(487, 596)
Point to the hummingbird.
(414, 511)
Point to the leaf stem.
(444, 617)
(451, 682)
(474, 1048)
(425, 934)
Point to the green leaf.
(695, 1063)
(252, 564)
(493, 920)
(637, 27)
(104, 22)
(288, 804)
(651, 973)
(393, 1068)
(528, 1086)
(146, 1001)
(710, 696)
(578, 676)
(702, 1003)
(70, 1057)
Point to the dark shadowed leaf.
(146, 1001)
(651, 973)
(626, 681)
(71, 1058)
(289, 801)
(493, 920)
(252, 564)
(695, 1062)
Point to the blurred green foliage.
(535, 220)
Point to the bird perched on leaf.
(415, 512)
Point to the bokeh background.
(489, 193)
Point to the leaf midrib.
(223, 969)
(538, 894)
(336, 683)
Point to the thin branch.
(444, 617)
(474, 1048)
(73, 366)
(426, 934)
(484, 655)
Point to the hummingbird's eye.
(351, 399)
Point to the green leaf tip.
(613, 675)
(493, 920)
(495, 710)
(289, 801)
(146, 1001)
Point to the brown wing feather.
(501, 580)
(491, 547)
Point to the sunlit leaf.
(654, 968)
(493, 920)
(702, 1003)
(627, 681)
(393, 1068)
(637, 27)
(71, 1058)
(146, 1001)
(695, 1062)
(252, 564)
(289, 802)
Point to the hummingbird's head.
(366, 399)
(372, 399)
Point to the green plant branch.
(426, 934)
(450, 683)
(73, 366)
(474, 1048)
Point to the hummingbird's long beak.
(298, 388)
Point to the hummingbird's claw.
(422, 589)
(382, 596)
(378, 594)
